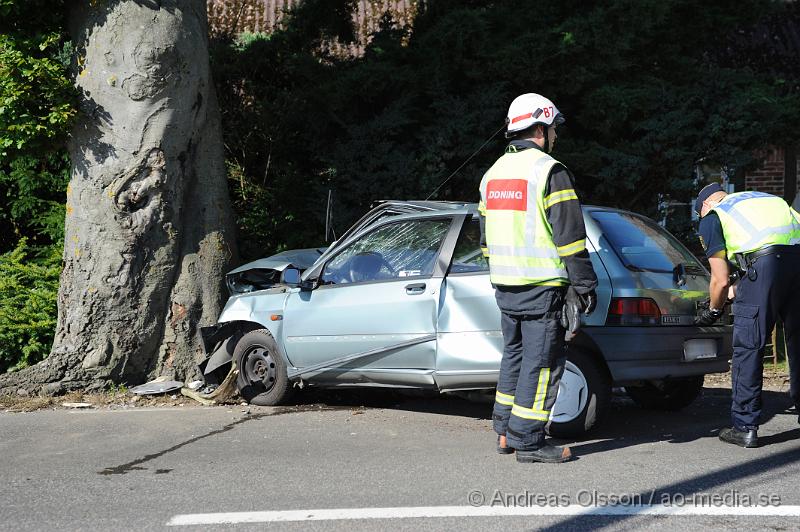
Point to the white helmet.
(530, 109)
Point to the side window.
(467, 257)
(401, 249)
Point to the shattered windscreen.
(397, 250)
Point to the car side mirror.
(291, 277)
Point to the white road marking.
(331, 514)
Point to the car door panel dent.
(469, 338)
(328, 364)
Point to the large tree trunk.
(149, 229)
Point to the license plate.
(699, 349)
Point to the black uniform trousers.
(770, 289)
(533, 361)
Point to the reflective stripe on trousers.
(537, 411)
(504, 399)
(530, 371)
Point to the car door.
(470, 342)
(379, 294)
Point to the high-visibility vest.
(519, 237)
(754, 220)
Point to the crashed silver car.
(403, 300)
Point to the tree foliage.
(34, 190)
(28, 289)
(650, 88)
(641, 82)
(37, 109)
(36, 96)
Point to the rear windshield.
(642, 245)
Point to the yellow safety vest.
(754, 220)
(519, 237)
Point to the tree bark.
(149, 226)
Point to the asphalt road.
(377, 460)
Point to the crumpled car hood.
(299, 258)
(267, 273)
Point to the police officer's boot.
(742, 438)
(549, 454)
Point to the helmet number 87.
(548, 112)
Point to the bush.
(28, 295)
(32, 196)
(38, 106)
(650, 89)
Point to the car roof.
(452, 207)
(422, 205)
(412, 209)
(399, 210)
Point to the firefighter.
(534, 237)
(760, 233)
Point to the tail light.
(633, 311)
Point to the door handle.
(415, 289)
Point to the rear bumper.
(653, 353)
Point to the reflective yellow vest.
(519, 237)
(754, 220)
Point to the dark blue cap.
(706, 193)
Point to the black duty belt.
(746, 259)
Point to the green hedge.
(28, 295)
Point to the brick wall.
(236, 16)
(769, 176)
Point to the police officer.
(534, 236)
(760, 233)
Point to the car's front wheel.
(262, 378)
(584, 394)
(671, 395)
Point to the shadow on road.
(625, 424)
(408, 400)
(731, 482)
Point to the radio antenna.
(468, 159)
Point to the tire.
(262, 378)
(670, 395)
(584, 392)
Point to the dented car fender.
(242, 314)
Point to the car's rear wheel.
(262, 378)
(584, 394)
(671, 395)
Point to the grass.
(116, 390)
